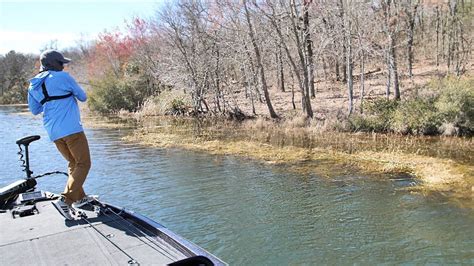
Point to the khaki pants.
(75, 149)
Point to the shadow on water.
(249, 213)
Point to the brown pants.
(75, 150)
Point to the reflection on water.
(253, 214)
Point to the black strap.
(48, 98)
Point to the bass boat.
(33, 232)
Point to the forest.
(375, 65)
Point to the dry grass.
(438, 174)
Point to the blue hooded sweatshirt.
(61, 117)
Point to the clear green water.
(248, 213)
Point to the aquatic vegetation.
(442, 164)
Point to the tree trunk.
(344, 65)
(254, 73)
(437, 36)
(350, 86)
(411, 29)
(259, 63)
(309, 47)
(387, 90)
(324, 68)
(348, 48)
(393, 67)
(443, 39)
(450, 41)
(301, 50)
(344, 48)
(217, 79)
(362, 81)
(390, 29)
(422, 23)
(293, 91)
(280, 73)
(248, 88)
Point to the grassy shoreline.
(438, 175)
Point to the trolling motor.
(10, 192)
(26, 163)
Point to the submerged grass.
(442, 164)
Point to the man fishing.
(53, 92)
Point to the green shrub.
(416, 116)
(382, 107)
(445, 106)
(377, 118)
(166, 102)
(366, 124)
(16, 94)
(16, 91)
(111, 95)
(455, 103)
(178, 107)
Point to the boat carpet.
(48, 239)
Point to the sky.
(28, 26)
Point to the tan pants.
(75, 150)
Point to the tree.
(410, 8)
(259, 61)
(345, 15)
(301, 69)
(15, 70)
(391, 29)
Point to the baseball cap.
(48, 58)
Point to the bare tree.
(391, 29)
(309, 46)
(259, 62)
(289, 12)
(347, 37)
(410, 9)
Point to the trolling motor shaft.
(26, 163)
(10, 192)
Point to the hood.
(35, 85)
(37, 80)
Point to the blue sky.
(28, 26)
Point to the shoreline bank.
(437, 175)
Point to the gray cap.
(48, 58)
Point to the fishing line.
(132, 261)
(51, 173)
(134, 230)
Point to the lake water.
(248, 213)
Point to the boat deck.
(48, 239)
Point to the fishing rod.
(90, 84)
